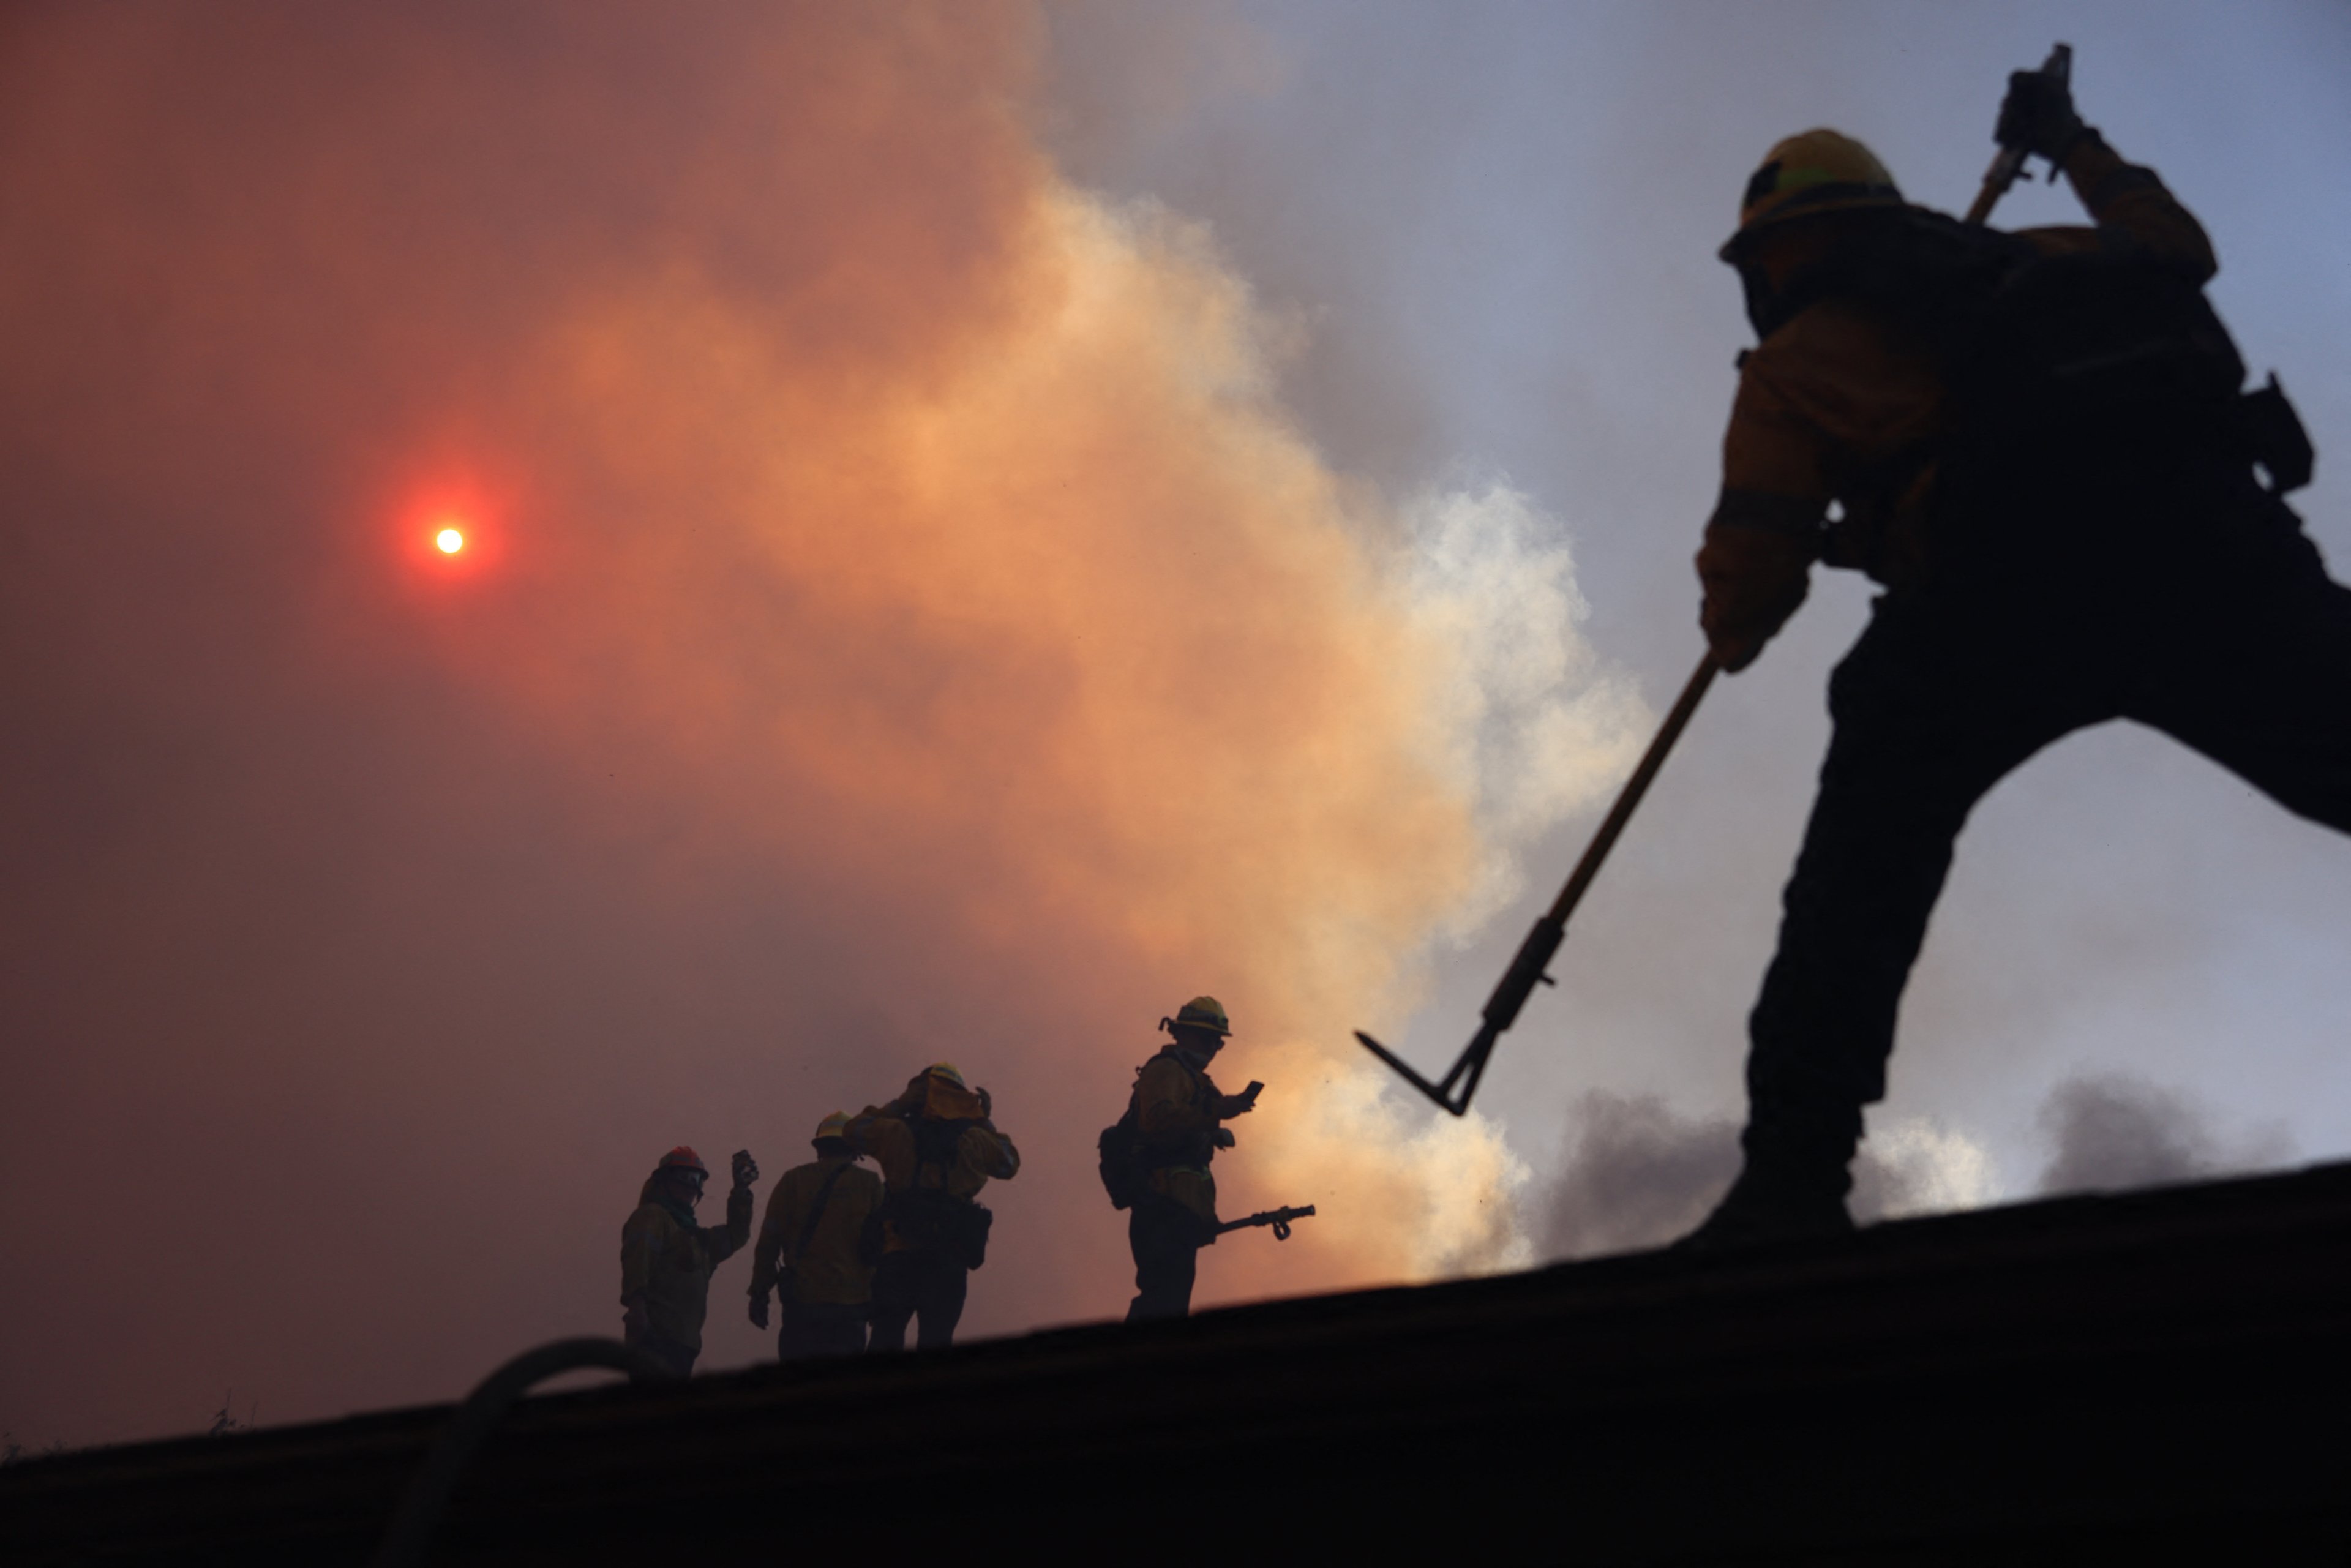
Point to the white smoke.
(1535, 725)
(1466, 1214)
(1540, 725)
(1915, 1165)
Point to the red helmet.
(685, 1159)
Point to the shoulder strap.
(816, 1209)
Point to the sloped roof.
(2163, 1372)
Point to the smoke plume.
(897, 622)
(2108, 1132)
(1638, 1174)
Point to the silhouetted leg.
(1935, 704)
(943, 1288)
(2258, 678)
(1163, 1237)
(896, 1289)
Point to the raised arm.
(2127, 201)
(726, 1240)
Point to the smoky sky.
(1637, 1174)
(986, 521)
(2120, 1131)
(1495, 226)
(899, 621)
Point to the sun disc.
(449, 540)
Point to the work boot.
(1761, 1208)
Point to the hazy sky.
(987, 521)
(1498, 223)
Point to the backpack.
(1121, 1151)
(2034, 343)
(930, 1217)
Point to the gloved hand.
(759, 1311)
(986, 1101)
(1754, 579)
(2038, 115)
(747, 1170)
(634, 1325)
(1222, 1138)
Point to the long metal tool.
(1526, 971)
(1460, 1081)
(2009, 161)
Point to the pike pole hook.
(1526, 971)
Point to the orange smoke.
(906, 625)
(1145, 683)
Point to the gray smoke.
(1638, 1175)
(2114, 1131)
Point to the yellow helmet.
(833, 1126)
(1820, 171)
(945, 1070)
(1201, 1012)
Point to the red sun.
(451, 531)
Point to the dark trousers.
(1165, 1240)
(819, 1329)
(2180, 596)
(917, 1284)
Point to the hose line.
(410, 1533)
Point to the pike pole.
(1526, 971)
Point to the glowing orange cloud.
(896, 620)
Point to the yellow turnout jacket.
(830, 1272)
(1175, 1113)
(667, 1262)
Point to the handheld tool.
(1535, 953)
(2009, 163)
